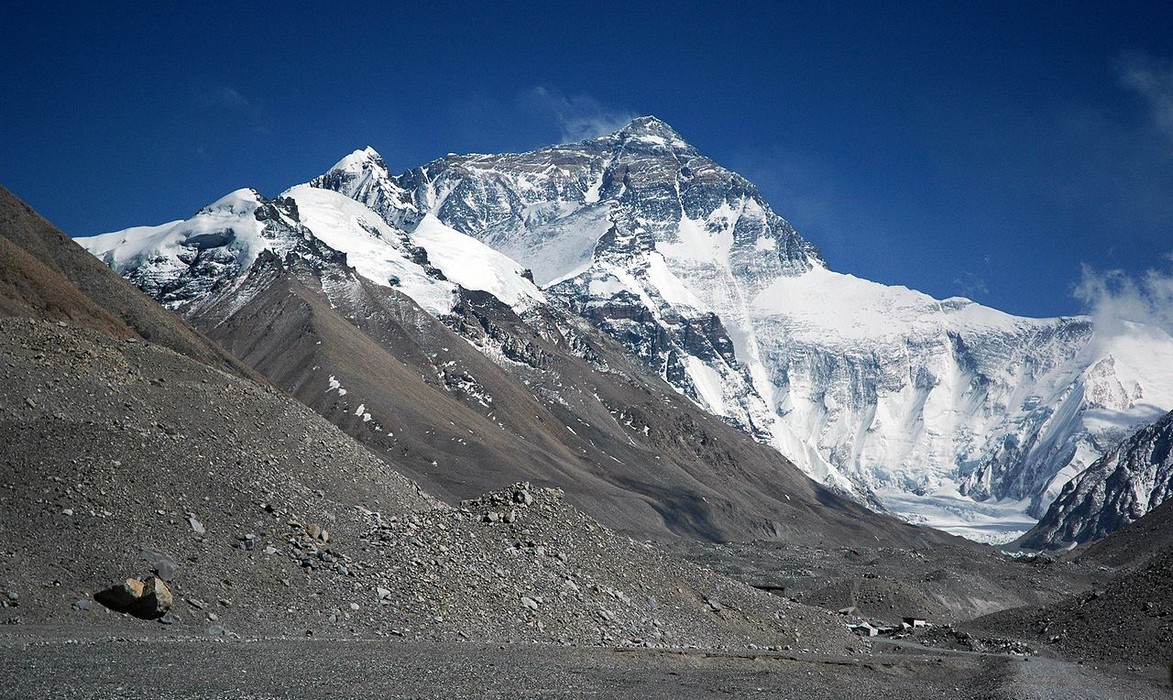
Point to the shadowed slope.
(47, 275)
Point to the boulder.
(148, 598)
(121, 596)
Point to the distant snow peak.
(363, 176)
(870, 388)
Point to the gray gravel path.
(165, 669)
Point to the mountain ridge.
(435, 350)
(945, 411)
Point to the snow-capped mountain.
(1130, 480)
(442, 355)
(943, 410)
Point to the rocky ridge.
(1130, 480)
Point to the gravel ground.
(1128, 621)
(167, 669)
(945, 583)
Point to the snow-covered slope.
(441, 354)
(944, 411)
(187, 264)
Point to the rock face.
(1130, 480)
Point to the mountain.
(1130, 480)
(45, 275)
(251, 515)
(944, 411)
(441, 355)
(1136, 542)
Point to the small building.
(863, 629)
(912, 622)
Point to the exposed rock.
(121, 596)
(1130, 480)
(164, 565)
(148, 598)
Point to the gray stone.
(164, 566)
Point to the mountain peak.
(241, 201)
(650, 129)
(360, 160)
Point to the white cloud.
(1152, 79)
(579, 117)
(231, 97)
(1114, 296)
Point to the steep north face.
(944, 411)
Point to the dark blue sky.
(988, 151)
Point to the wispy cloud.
(1152, 79)
(578, 117)
(225, 100)
(1113, 297)
(970, 285)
